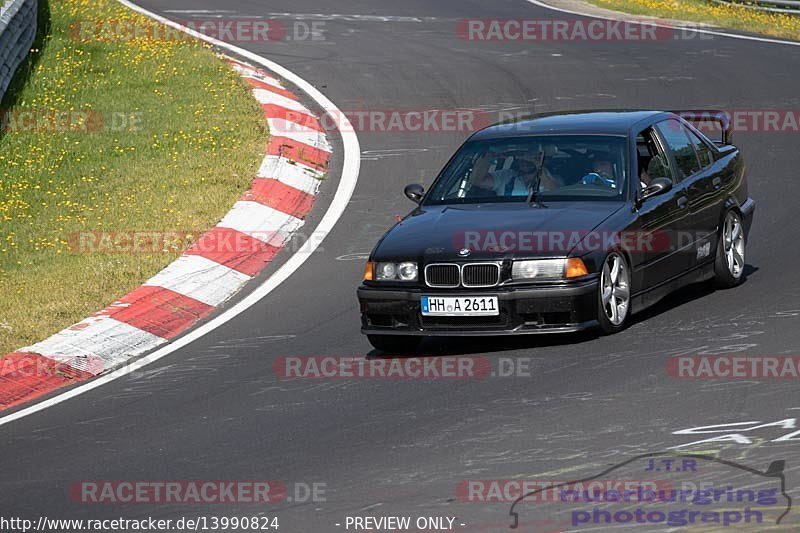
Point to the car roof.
(608, 122)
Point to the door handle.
(717, 183)
(683, 202)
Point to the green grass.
(724, 15)
(195, 143)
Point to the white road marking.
(376, 155)
(354, 257)
(347, 184)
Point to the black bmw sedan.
(559, 223)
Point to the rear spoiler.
(702, 119)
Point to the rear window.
(703, 151)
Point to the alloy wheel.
(615, 284)
(733, 242)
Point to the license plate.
(460, 306)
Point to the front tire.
(395, 344)
(730, 258)
(614, 294)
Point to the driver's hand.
(593, 178)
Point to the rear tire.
(395, 344)
(614, 294)
(730, 257)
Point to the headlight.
(406, 271)
(548, 269)
(387, 271)
(539, 269)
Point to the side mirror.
(414, 192)
(656, 187)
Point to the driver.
(517, 181)
(602, 173)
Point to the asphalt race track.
(215, 410)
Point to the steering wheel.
(593, 178)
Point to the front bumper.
(542, 309)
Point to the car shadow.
(445, 346)
(685, 295)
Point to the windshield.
(539, 167)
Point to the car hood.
(491, 231)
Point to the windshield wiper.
(535, 182)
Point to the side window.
(675, 136)
(652, 161)
(703, 151)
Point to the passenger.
(482, 182)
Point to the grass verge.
(108, 133)
(724, 15)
